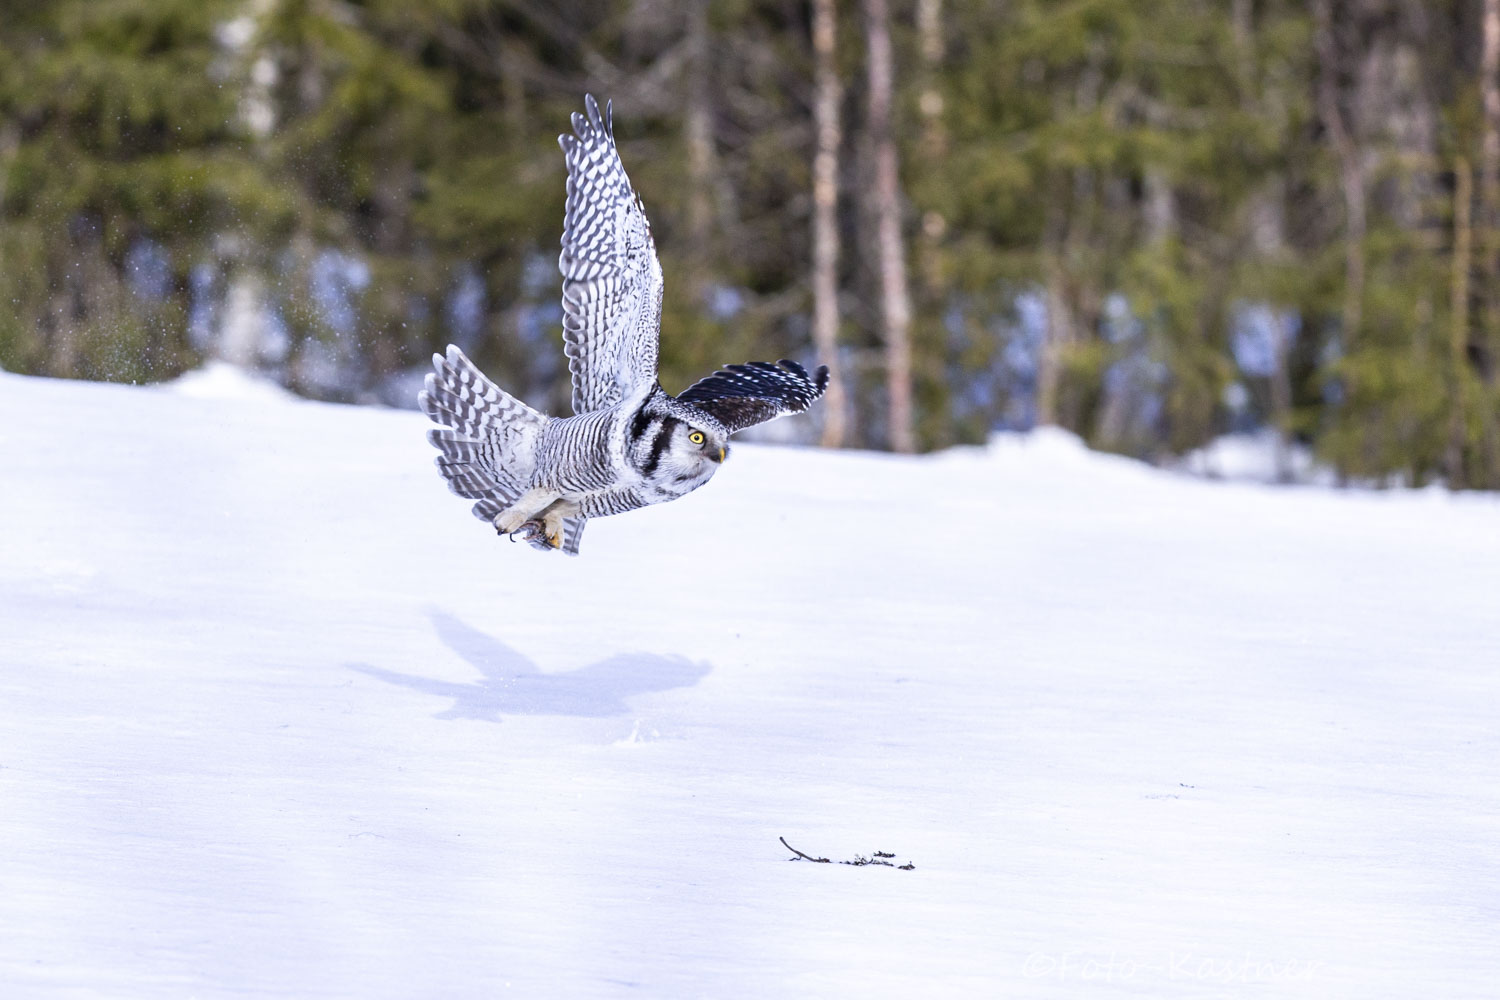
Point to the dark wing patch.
(740, 396)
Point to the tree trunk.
(513, 90)
(1159, 206)
(825, 284)
(1489, 205)
(895, 295)
(1058, 335)
(1351, 171)
(699, 128)
(1281, 397)
(1242, 28)
(1463, 182)
(934, 143)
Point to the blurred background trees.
(1152, 223)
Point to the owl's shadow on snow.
(511, 684)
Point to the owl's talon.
(530, 531)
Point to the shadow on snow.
(511, 684)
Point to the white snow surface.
(223, 380)
(279, 718)
(1254, 458)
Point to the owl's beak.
(721, 455)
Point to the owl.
(629, 443)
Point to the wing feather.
(612, 281)
(740, 396)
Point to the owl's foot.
(535, 532)
(536, 518)
(527, 508)
(510, 521)
(552, 526)
(523, 532)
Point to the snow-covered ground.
(1259, 457)
(279, 718)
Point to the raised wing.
(740, 396)
(611, 277)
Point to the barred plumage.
(629, 443)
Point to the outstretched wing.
(611, 277)
(741, 396)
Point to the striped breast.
(574, 455)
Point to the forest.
(1150, 222)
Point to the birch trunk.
(825, 261)
(895, 295)
(1458, 344)
(934, 144)
(699, 128)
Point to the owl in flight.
(629, 443)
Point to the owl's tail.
(487, 437)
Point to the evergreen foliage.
(1152, 223)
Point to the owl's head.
(693, 452)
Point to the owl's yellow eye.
(696, 437)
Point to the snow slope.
(278, 718)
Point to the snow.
(223, 380)
(1256, 457)
(279, 718)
